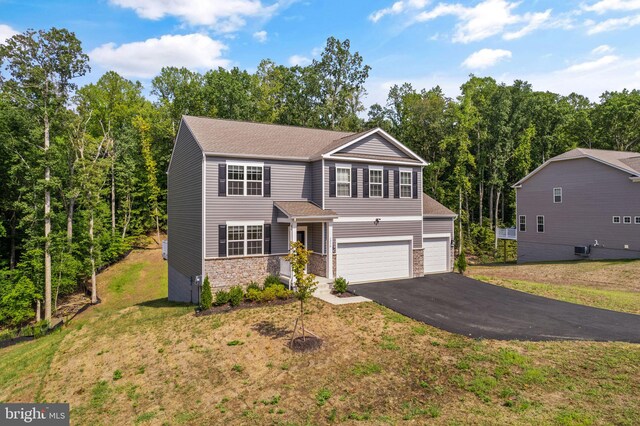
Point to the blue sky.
(585, 46)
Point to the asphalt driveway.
(476, 309)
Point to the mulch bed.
(344, 295)
(308, 344)
(244, 305)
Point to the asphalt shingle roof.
(625, 160)
(431, 207)
(300, 209)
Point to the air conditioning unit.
(582, 250)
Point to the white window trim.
(244, 165)
(410, 184)
(554, 196)
(624, 220)
(538, 224)
(520, 222)
(636, 220)
(381, 170)
(343, 167)
(246, 224)
(613, 220)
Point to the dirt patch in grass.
(306, 344)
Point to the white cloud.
(485, 58)
(592, 65)
(261, 36)
(144, 59)
(604, 48)
(299, 60)
(486, 19)
(221, 15)
(612, 24)
(397, 7)
(604, 6)
(6, 32)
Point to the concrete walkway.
(323, 292)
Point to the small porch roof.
(304, 210)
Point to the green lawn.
(136, 359)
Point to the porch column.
(330, 250)
(293, 230)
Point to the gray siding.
(382, 229)
(316, 182)
(591, 194)
(344, 206)
(290, 181)
(314, 237)
(437, 226)
(184, 215)
(374, 145)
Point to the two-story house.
(239, 192)
(584, 203)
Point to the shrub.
(282, 292)
(271, 280)
(253, 295)
(461, 263)
(222, 297)
(268, 294)
(236, 294)
(206, 299)
(253, 286)
(340, 285)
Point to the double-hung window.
(557, 195)
(343, 181)
(244, 240)
(540, 223)
(522, 223)
(244, 179)
(405, 184)
(375, 183)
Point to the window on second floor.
(522, 223)
(405, 184)
(343, 181)
(244, 179)
(540, 223)
(375, 183)
(557, 195)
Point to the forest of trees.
(83, 168)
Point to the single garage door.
(435, 255)
(373, 261)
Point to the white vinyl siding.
(244, 240)
(522, 223)
(557, 195)
(343, 181)
(373, 261)
(244, 179)
(405, 184)
(375, 183)
(540, 223)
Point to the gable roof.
(303, 209)
(432, 208)
(260, 140)
(625, 161)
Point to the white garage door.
(373, 261)
(435, 255)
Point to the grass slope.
(136, 359)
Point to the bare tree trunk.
(302, 320)
(480, 202)
(127, 215)
(47, 225)
(38, 313)
(496, 222)
(491, 207)
(94, 289)
(113, 196)
(158, 224)
(12, 249)
(72, 203)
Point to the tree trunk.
(94, 289)
(460, 221)
(113, 195)
(302, 320)
(12, 249)
(481, 200)
(158, 224)
(47, 225)
(38, 313)
(127, 215)
(496, 222)
(72, 203)
(491, 207)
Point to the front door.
(302, 237)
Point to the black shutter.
(332, 181)
(354, 182)
(415, 184)
(222, 240)
(365, 183)
(386, 183)
(396, 184)
(222, 180)
(267, 238)
(267, 181)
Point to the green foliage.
(17, 299)
(206, 299)
(461, 263)
(268, 294)
(222, 298)
(253, 294)
(236, 295)
(253, 286)
(117, 375)
(340, 285)
(271, 280)
(322, 396)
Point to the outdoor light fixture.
(377, 221)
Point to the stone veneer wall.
(227, 272)
(418, 262)
(317, 265)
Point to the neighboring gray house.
(238, 192)
(583, 203)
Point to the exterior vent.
(582, 250)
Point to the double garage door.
(373, 261)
